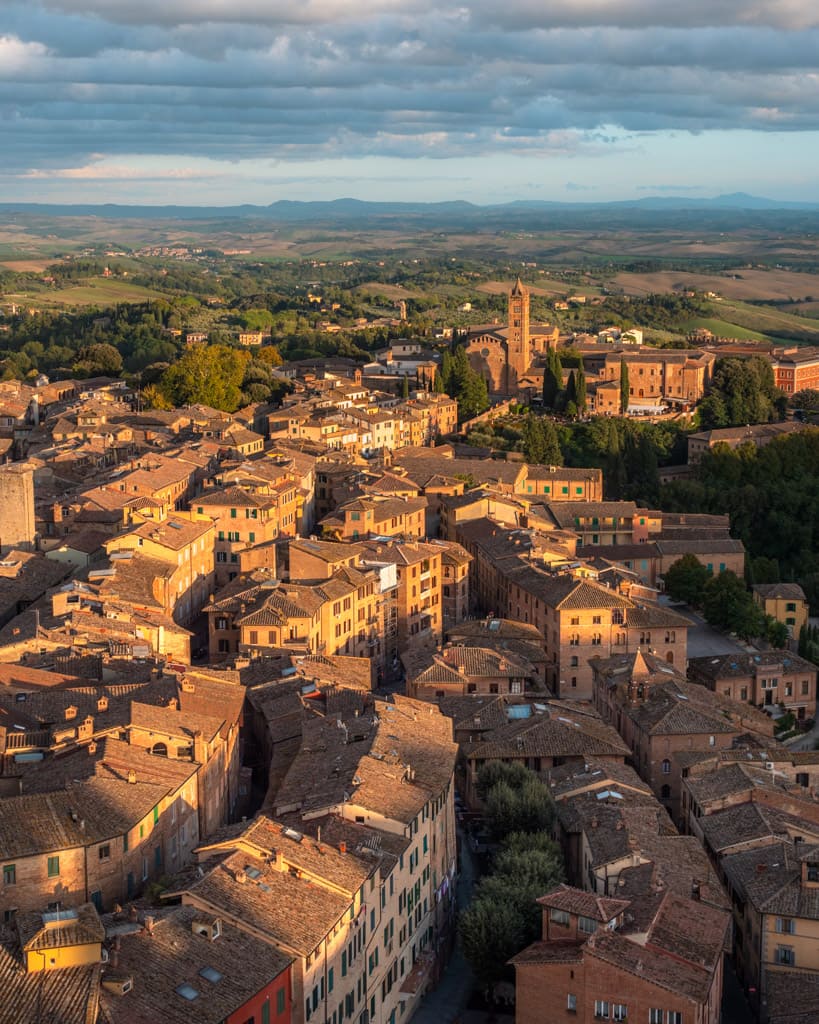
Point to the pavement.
(807, 741)
(447, 1003)
(705, 642)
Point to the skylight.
(210, 974)
(187, 992)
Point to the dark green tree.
(685, 580)
(581, 399)
(405, 388)
(727, 605)
(624, 387)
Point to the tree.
(405, 389)
(492, 931)
(571, 390)
(552, 379)
(552, 455)
(534, 447)
(685, 579)
(208, 375)
(101, 360)
(742, 391)
(625, 391)
(727, 604)
(581, 399)
(776, 632)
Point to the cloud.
(241, 80)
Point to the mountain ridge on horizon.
(295, 210)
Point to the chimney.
(173, 704)
(131, 776)
(278, 860)
(115, 952)
(149, 924)
(342, 847)
(92, 748)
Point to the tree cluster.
(742, 391)
(460, 381)
(725, 601)
(771, 495)
(504, 917)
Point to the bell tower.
(518, 333)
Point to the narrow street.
(447, 1003)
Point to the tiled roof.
(294, 912)
(578, 901)
(81, 929)
(550, 734)
(783, 591)
(738, 664)
(87, 813)
(70, 994)
(651, 965)
(173, 954)
(751, 822)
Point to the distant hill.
(293, 211)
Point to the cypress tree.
(624, 387)
(581, 400)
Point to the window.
(785, 925)
(785, 956)
(53, 867)
(587, 925)
(601, 1009)
(105, 851)
(559, 917)
(619, 1011)
(233, 513)
(673, 1017)
(281, 1000)
(655, 1017)
(9, 874)
(571, 1003)
(666, 766)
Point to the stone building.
(503, 354)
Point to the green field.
(769, 321)
(96, 291)
(723, 329)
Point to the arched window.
(666, 767)
(160, 749)
(617, 617)
(670, 657)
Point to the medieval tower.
(518, 358)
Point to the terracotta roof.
(87, 813)
(173, 954)
(295, 913)
(71, 994)
(587, 904)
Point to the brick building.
(655, 960)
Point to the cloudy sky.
(229, 101)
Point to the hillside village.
(253, 666)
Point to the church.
(503, 355)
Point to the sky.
(205, 102)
